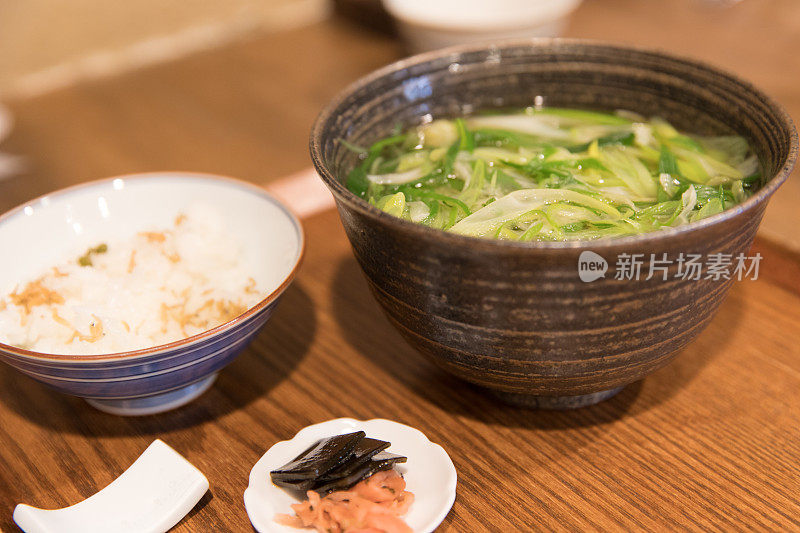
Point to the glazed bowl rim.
(358, 204)
(251, 312)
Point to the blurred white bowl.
(431, 24)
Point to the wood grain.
(242, 111)
(757, 40)
(709, 442)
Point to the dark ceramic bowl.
(516, 317)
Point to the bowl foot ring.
(557, 403)
(157, 403)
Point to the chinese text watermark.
(687, 266)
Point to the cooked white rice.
(158, 287)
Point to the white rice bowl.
(224, 250)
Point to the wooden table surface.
(709, 442)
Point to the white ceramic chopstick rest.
(151, 496)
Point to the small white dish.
(428, 25)
(151, 496)
(429, 473)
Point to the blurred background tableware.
(428, 25)
(9, 164)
